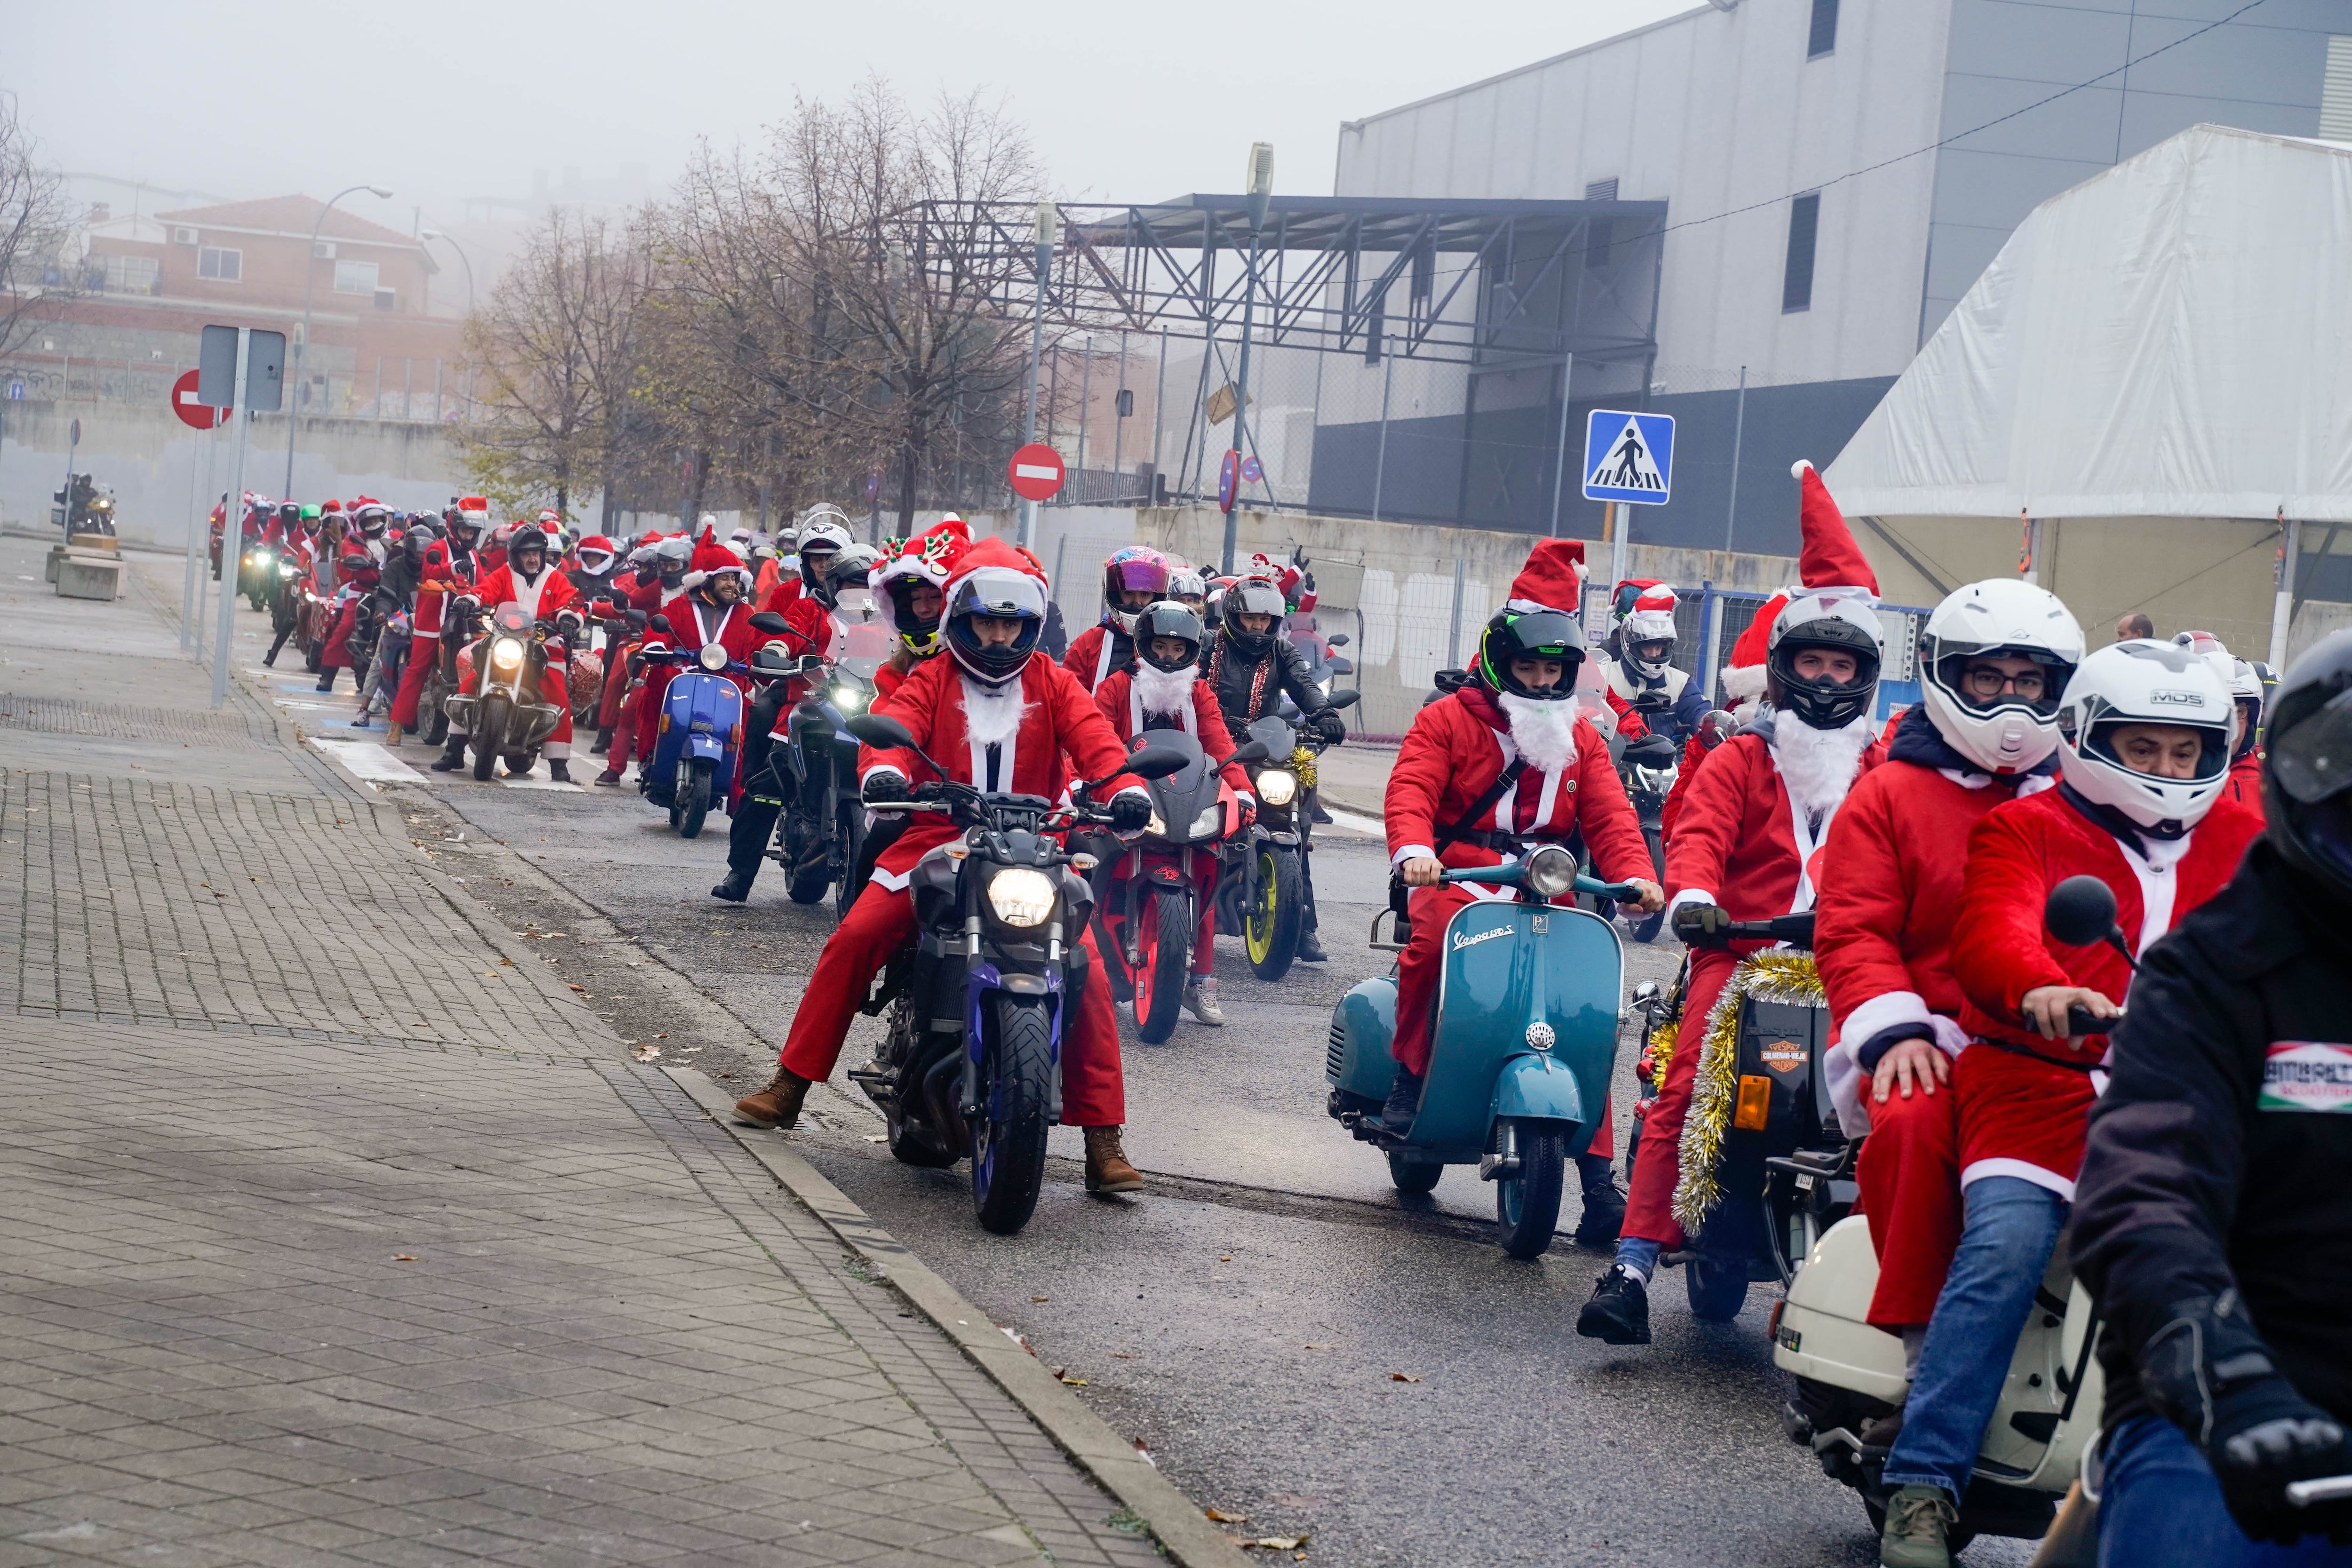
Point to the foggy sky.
(443, 100)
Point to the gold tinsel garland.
(1302, 762)
(1776, 974)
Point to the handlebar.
(2322, 1489)
(1797, 931)
(1622, 892)
(2081, 1020)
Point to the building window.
(355, 276)
(1797, 279)
(129, 274)
(1823, 39)
(223, 266)
(2336, 91)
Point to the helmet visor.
(2313, 760)
(999, 590)
(1139, 576)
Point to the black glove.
(1652, 751)
(1702, 925)
(1329, 727)
(1130, 813)
(2209, 1373)
(883, 785)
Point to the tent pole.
(2282, 603)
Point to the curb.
(1175, 1522)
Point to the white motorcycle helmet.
(2003, 733)
(1648, 617)
(2144, 682)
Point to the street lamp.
(1048, 218)
(452, 244)
(1261, 189)
(309, 283)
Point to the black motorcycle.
(1262, 880)
(1647, 768)
(971, 1067)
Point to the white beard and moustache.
(992, 714)
(1545, 733)
(1165, 691)
(1819, 765)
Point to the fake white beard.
(992, 715)
(1819, 765)
(1545, 733)
(1163, 692)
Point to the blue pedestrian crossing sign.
(1629, 456)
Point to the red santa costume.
(1890, 895)
(1036, 734)
(1752, 823)
(541, 593)
(441, 579)
(696, 621)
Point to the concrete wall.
(158, 466)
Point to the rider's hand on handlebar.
(882, 784)
(1653, 899)
(1699, 924)
(1329, 727)
(1909, 1062)
(1423, 871)
(1130, 810)
(2046, 1006)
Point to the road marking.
(1354, 824)
(368, 760)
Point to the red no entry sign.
(183, 404)
(1035, 471)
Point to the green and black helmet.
(1543, 634)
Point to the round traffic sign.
(1251, 472)
(1229, 474)
(201, 417)
(1035, 471)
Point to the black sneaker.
(1604, 1203)
(735, 888)
(1403, 1103)
(1619, 1312)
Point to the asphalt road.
(1245, 1321)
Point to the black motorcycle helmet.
(374, 520)
(1170, 619)
(1253, 596)
(2308, 765)
(1542, 634)
(1822, 704)
(526, 539)
(289, 515)
(1002, 593)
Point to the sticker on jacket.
(2307, 1075)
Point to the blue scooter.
(1522, 1045)
(701, 736)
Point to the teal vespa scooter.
(1522, 1044)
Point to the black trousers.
(767, 784)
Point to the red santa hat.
(710, 559)
(1836, 579)
(932, 554)
(1553, 579)
(994, 554)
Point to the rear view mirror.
(768, 621)
(1346, 699)
(659, 623)
(1156, 763)
(887, 734)
(1339, 641)
(1253, 753)
(2081, 912)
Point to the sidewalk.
(340, 1230)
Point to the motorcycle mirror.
(2081, 912)
(1346, 699)
(1255, 751)
(1645, 993)
(1156, 763)
(637, 618)
(1715, 727)
(659, 623)
(885, 733)
(1339, 641)
(768, 621)
(353, 563)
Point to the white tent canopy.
(2171, 338)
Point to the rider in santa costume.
(1444, 810)
(1993, 658)
(1162, 689)
(528, 577)
(712, 606)
(996, 717)
(449, 570)
(1746, 847)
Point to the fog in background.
(444, 101)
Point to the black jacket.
(1236, 673)
(2222, 1154)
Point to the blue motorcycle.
(700, 735)
(1522, 1044)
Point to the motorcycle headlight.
(713, 658)
(1552, 871)
(848, 699)
(1212, 817)
(506, 653)
(1276, 786)
(1021, 896)
(287, 569)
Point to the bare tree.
(36, 224)
(558, 344)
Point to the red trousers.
(1910, 1177)
(882, 921)
(1419, 968)
(1650, 1206)
(424, 652)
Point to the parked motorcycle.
(1850, 1373)
(971, 1067)
(506, 716)
(699, 737)
(1147, 910)
(1262, 880)
(1522, 1044)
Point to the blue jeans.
(2161, 1507)
(2005, 1245)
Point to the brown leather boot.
(392, 734)
(778, 1104)
(1107, 1167)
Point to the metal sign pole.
(204, 515)
(1560, 461)
(233, 525)
(195, 531)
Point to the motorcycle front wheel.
(1165, 943)
(490, 735)
(852, 815)
(1526, 1206)
(696, 803)
(1270, 923)
(1008, 1138)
